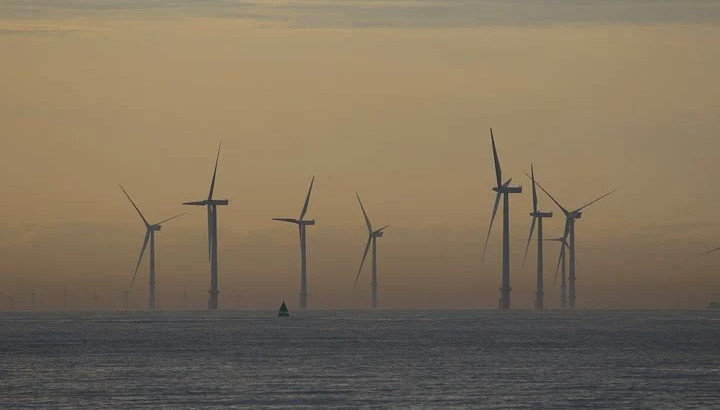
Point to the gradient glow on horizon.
(390, 98)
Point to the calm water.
(407, 359)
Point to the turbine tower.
(212, 205)
(505, 190)
(302, 223)
(150, 230)
(372, 237)
(570, 218)
(537, 215)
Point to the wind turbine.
(150, 230)
(505, 190)
(537, 215)
(570, 217)
(302, 223)
(372, 237)
(212, 205)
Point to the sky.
(390, 98)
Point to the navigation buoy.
(283, 312)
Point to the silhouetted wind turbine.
(537, 215)
(503, 189)
(372, 237)
(150, 230)
(302, 223)
(212, 205)
(570, 217)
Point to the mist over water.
(418, 359)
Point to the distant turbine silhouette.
(570, 217)
(149, 236)
(537, 215)
(372, 237)
(212, 205)
(503, 189)
(302, 223)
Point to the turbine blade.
(534, 190)
(565, 211)
(568, 221)
(498, 171)
(380, 230)
(592, 202)
(367, 220)
(135, 206)
(169, 219)
(291, 220)
(212, 184)
(362, 262)
(142, 252)
(577, 261)
(307, 200)
(560, 257)
(708, 252)
(527, 248)
(492, 219)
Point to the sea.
(435, 359)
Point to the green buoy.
(283, 312)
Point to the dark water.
(391, 359)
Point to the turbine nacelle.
(296, 221)
(508, 189)
(540, 214)
(208, 202)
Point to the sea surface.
(383, 359)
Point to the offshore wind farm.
(548, 167)
(502, 191)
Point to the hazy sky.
(391, 98)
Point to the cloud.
(384, 13)
(39, 27)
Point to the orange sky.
(387, 100)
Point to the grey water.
(383, 359)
